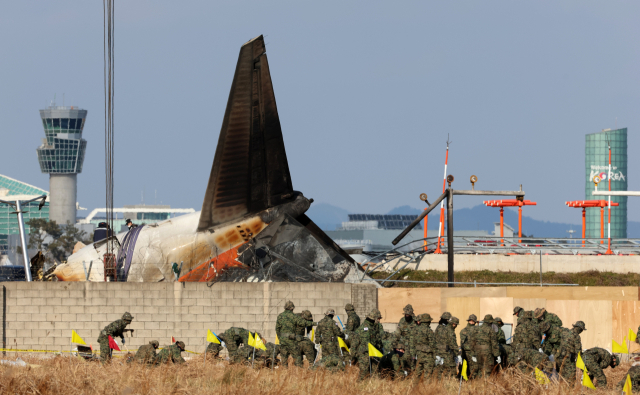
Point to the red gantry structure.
(509, 203)
(583, 204)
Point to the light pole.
(23, 240)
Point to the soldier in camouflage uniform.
(502, 342)
(114, 329)
(353, 322)
(147, 353)
(634, 375)
(422, 340)
(446, 345)
(532, 359)
(367, 332)
(542, 315)
(465, 344)
(233, 338)
(534, 337)
(327, 334)
(171, 354)
(286, 330)
(402, 334)
(567, 354)
(307, 348)
(595, 360)
(551, 336)
(518, 311)
(393, 364)
(484, 344)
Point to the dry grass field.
(65, 375)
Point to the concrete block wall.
(41, 315)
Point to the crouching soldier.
(596, 360)
(147, 353)
(171, 354)
(393, 365)
(114, 329)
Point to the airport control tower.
(61, 155)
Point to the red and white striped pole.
(609, 252)
(441, 225)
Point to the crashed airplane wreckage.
(252, 226)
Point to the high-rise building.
(597, 164)
(61, 155)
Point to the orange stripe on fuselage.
(213, 268)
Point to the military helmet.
(472, 317)
(127, 316)
(399, 345)
(545, 326)
(155, 343)
(445, 316)
(408, 309)
(306, 314)
(424, 318)
(330, 312)
(615, 361)
(349, 307)
(180, 344)
(488, 319)
(289, 305)
(517, 310)
(498, 320)
(374, 314)
(580, 324)
(539, 313)
(454, 320)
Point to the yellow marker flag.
(632, 335)
(75, 338)
(373, 352)
(580, 363)
(259, 343)
(342, 344)
(627, 385)
(211, 338)
(541, 377)
(313, 334)
(252, 341)
(277, 340)
(620, 349)
(464, 370)
(586, 380)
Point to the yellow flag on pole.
(313, 334)
(277, 340)
(580, 363)
(632, 335)
(627, 385)
(586, 380)
(211, 338)
(464, 370)
(620, 349)
(541, 377)
(373, 352)
(252, 341)
(75, 338)
(342, 344)
(259, 343)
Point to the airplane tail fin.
(250, 172)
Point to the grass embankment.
(591, 278)
(63, 375)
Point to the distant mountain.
(327, 216)
(405, 210)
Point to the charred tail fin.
(250, 171)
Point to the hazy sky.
(367, 92)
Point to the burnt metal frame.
(448, 194)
